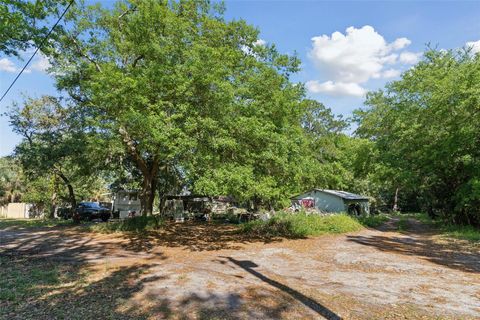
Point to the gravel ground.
(206, 271)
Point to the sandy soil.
(207, 271)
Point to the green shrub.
(230, 217)
(301, 225)
(135, 224)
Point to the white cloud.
(400, 43)
(355, 56)
(260, 42)
(391, 73)
(474, 45)
(336, 88)
(346, 61)
(40, 63)
(408, 57)
(7, 65)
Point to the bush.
(231, 218)
(135, 224)
(301, 225)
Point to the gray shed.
(332, 201)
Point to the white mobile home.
(126, 201)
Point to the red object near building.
(307, 203)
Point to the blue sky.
(357, 46)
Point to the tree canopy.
(426, 127)
(25, 23)
(174, 84)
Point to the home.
(332, 201)
(124, 202)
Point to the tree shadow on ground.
(191, 236)
(43, 272)
(73, 291)
(58, 273)
(249, 266)
(62, 244)
(421, 243)
(194, 236)
(255, 303)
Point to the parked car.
(92, 210)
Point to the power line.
(36, 50)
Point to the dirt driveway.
(208, 272)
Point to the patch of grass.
(460, 232)
(32, 223)
(53, 289)
(373, 221)
(469, 233)
(301, 225)
(135, 224)
(420, 216)
(23, 278)
(402, 223)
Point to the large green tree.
(175, 85)
(325, 137)
(57, 146)
(426, 127)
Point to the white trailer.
(125, 202)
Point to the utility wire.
(36, 50)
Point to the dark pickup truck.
(91, 211)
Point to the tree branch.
(86, 56)
(28, 135)
(71, 192)
(132, 149)
(127, 11)
(140, 57)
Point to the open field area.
(209, 271)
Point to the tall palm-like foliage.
(12, 186)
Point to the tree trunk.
(71, 196)
(53, 198)
(147, 195)
(161, 202)
(149, 171)
(53, 206)
(395, 201)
